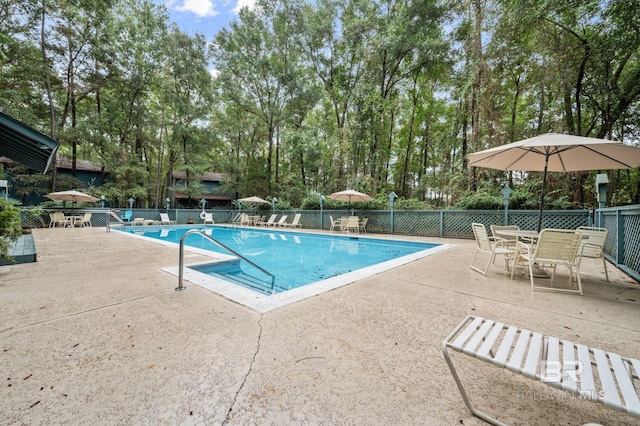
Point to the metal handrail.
(213, 240)
(108, 215)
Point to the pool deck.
(94, 333)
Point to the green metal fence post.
(506, 193)
(619, 237)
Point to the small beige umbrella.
(254, 199)
(72, 195)
(554, 152)
(350, 195)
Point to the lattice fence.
(623, 240)
(632, 242)
(435, 223)
(611, 244)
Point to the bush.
(35, 216)
(480, 201)
(10, 226)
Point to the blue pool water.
(296, 259)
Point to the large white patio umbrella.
(554, 152)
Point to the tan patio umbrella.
(254, 199)
(554, 152)
(72, 195)
(350, 195)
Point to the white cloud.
(214, 73)
(244, 3)
(201, 8)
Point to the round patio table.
(532, 236)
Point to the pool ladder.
(213, 240)
(108, 223)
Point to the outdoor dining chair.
(593, 245)
(484, 245)
(335, 224)
(554, 247)
(58, 219)
(353, 224)
(363, 224)
(86, 219)
(507, 241)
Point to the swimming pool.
(302, 262)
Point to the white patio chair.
(208, 218)
(507, 241)
(335, 224)
(58, 219)
(554, 247)
(353, 224)
(86, 220)
(484, 245)
(593, 245)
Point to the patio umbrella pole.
(544, 182)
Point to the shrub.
(10, 226)
(480, 201)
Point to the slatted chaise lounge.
(589, 373)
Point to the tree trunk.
(52, 112)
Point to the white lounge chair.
(593, 245)
(208, 218)
(484, 245)
(554, 247)
(241, 219)
(295, 223)
(282, 220)
(587, 373)
(269, 222)
(164, 219)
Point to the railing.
(622, 246)
(213, 240)
(109, 214)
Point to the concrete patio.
(94, 333)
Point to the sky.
(204, 16)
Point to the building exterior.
(213, 191)
(91, 175)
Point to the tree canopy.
(296, 98)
